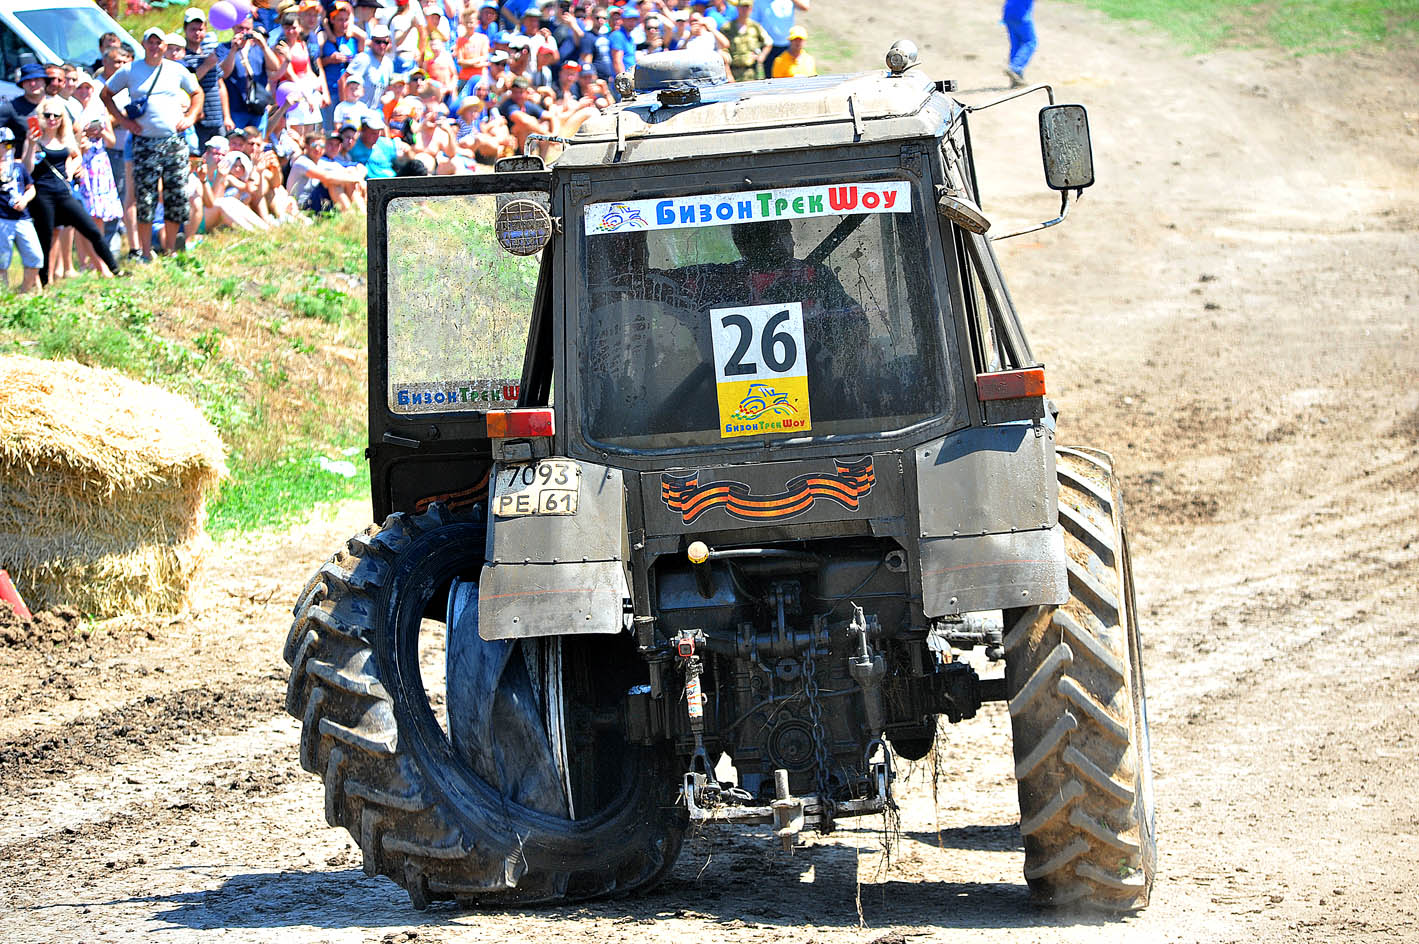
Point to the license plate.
(548, 487)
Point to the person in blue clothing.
(17, 230)
(623, 44)
(515, 10)
(246, 61)
(373, 148)
(339, 47)
(1019, 19)
(776, 17)
(595, 48)
(488, 23)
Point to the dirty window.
(780, 327)
(459, 307)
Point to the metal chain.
(820, 748)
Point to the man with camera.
(164, 101)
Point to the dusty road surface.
(1231, 311)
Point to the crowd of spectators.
(293, 109)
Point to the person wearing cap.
(17, 191)
(224, 177)
(367, 13)
(166, 100)
(749, 44)
(15, 112)
(248, 62)
(794, 62)
(409, 30)
(319, 185)
(374, 149)
(623, 44)
(350, 109)
(776, 16)
(514, 10)
(434, 25)
(199, 55)
(374, 66)
(537, 36)
(489, 24)
(524, 116)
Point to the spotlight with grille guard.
(523, 227)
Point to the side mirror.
(1064, 142)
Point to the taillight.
(1011, 384)
(521, 424)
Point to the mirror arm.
(1048, 90)
(1064, 204)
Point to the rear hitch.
(710, 802)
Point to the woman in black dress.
(52, 157)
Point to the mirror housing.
(1068, 152)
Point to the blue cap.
(32, 70)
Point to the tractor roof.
(764, 116)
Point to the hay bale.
(103, 488)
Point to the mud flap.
(496, 708)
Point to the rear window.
(733, 317)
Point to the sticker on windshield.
(760, 370)
(748, 206)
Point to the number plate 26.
(548, 487)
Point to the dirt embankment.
(1230, 311)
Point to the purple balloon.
(242, 7)
(223, 15)
(285, 91)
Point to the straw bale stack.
(103, 485)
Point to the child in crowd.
(16, 228)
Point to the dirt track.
(1231, 311)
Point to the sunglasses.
(50, 115)
(379, 42)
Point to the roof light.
(521, 424)
(1011, 384)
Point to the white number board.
(548, 487)
(761, 370)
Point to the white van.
(46, 31)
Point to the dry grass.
(103, 487)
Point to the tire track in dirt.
(136, 729)
(157, 779)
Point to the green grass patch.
(265, 334)
(276, 494)
(833, 53)
(1298, 26)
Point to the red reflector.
(1011, 384)
(521, 424)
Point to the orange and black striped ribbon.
(684, 495)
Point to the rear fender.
(988, 516)
(557, 574)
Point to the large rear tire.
(1078, 713)
(421, 814)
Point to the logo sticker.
(685, 496)
(760, 370)
(749, 206)
(613, 217)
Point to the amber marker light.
(1011, 384)
(521, 424)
